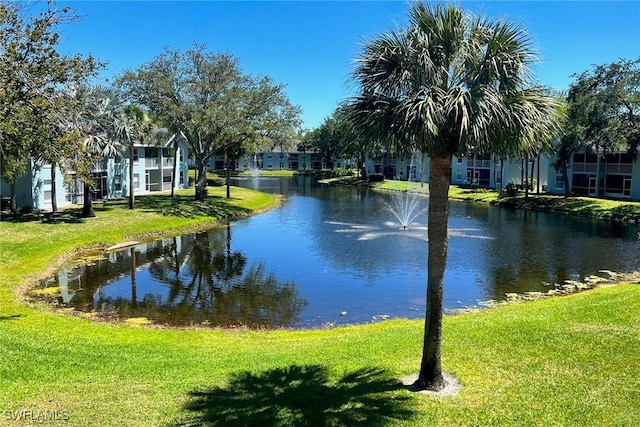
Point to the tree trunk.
(526, 178)
(538, 176)
(533, 168)
(87, 206)
(362, 167)
(565, 180)
(430, 377)
(54, 198)
(201, 180)
(227, 162)
(132, 194)
(501, 174)
(175, 166)
(13, 205)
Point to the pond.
(337, 255)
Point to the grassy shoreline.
(612, 210)
(561, 361)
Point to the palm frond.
(452, 83)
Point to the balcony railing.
(485, 164)
(585, 167)
(151, 162)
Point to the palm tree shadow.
(299, 396)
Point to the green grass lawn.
(569, 360)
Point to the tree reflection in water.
(191, 280)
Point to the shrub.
(511, 189)
(376, 177)
(24, 210)
(214, 180)
(338, 172)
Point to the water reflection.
(195, 279)
(334, 255)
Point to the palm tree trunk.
(227, 162)
(132, 194)
(533, 165)
(361, 166)
(538, 175)
(87, 206)
(430, 376)
(526, 178)
(54, 199)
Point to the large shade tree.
(450, 83)
(31, 73)
(208, 100)
(603, 113)
(337, 137)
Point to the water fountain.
(255, 170)
(407, 205)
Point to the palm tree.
(450, 83)
(131, 124)
(96, 121)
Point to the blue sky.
(310, 45)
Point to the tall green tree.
(450, 83)
(131, 124)
(95, 124)
(208, 99)
(603, 113)
(263, 119)
(337, 137)
(57, 137)
(31, 70)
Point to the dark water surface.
(333, 255)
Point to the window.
(182, 177)
(460, 160)
(136, 155)
(459, 175)
(136, 180)
(167, 178)
(117, 183)
(559, 182)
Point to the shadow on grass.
(299, 396)
(180, 206)
(10, 317)
(69, 216)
